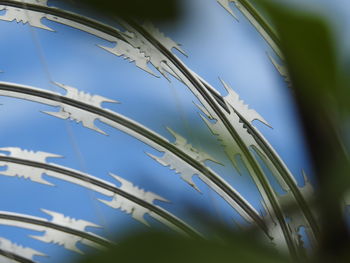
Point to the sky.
(216, 45)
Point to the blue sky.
(217, 46)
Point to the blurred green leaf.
(311, 56)
(150, 9)
(310, 51)
(161, 247)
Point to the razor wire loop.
(231, 119)
(61, 230)
(179, 155)
(11, 252)
(128, 198)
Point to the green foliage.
(322, 95)
(161, 247)
(151, 9)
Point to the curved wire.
(59, 223)
(147, 136)
(100, 186)
(17, 253)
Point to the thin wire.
(69, 130)
(184, 118)
(180, 109)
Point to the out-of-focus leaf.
(322, 97)
(160, 247)
(150, 9)
(310, 52)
